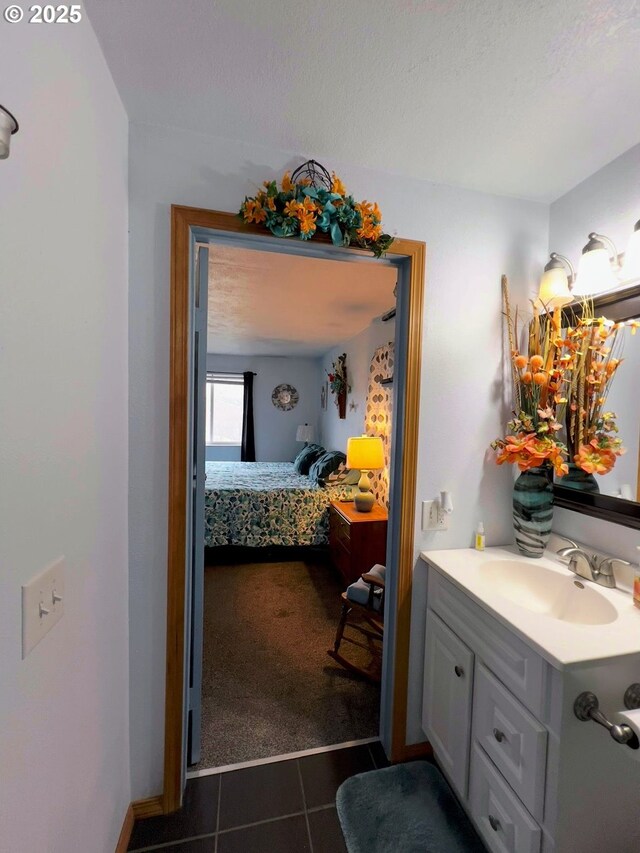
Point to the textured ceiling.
(517, 97)
(268, 303)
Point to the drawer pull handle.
(494, 822)
(499, 736)
(459, 671)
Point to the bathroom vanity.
(510, 644)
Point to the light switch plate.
(42, 604)
(427, 509)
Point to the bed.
(261, 504)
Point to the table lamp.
(367, 454)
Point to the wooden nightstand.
(357, 540)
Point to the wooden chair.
(363, 601)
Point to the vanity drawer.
(504, 823)
(517, 666)
(512, 738)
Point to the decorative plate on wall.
(284, 397)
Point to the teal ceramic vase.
(533, 510)
(580, 480)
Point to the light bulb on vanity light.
(631, 266)
(596, 268)
(556, 281)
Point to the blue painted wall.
(215, 453)
(275, 430)
(359, 349)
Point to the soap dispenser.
(480, 537)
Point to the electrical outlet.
(442, 518)
(433, 516)
(42, 605)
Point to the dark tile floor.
(285, 807)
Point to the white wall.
(359, 349)
(607, 202)
(275, 430)
(471, 239)
(64, 738)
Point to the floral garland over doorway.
(311, 201)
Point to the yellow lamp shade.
(554, 289)
(365, 453)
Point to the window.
(225, 394)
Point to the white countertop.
(561, 643)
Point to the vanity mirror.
(616, 495)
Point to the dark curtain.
(248, 449)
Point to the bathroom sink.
(552, 593)
(564, 618)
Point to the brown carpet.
(269, 686)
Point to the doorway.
(282, 537)
(193, 226)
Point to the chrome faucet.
(590, 566)
(578, 561)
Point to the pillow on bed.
(325, 465)
(307, 456)
(343, 476)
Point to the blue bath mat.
(408, 808)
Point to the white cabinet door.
(446, 700)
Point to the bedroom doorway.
(283, 539)
(192, 227)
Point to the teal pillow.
(343, 476)
(307, 457)
(325, 465)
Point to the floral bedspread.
(257, 504)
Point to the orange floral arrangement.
(301, 208)
(592, 348)
(565, 375)
(541, 380)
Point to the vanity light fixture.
(8, 126)
(631, 266)
(556, 282)
(598, 264)
(601, 269)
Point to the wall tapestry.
(378, 417)
(338, 384)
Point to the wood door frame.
(183, 221)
